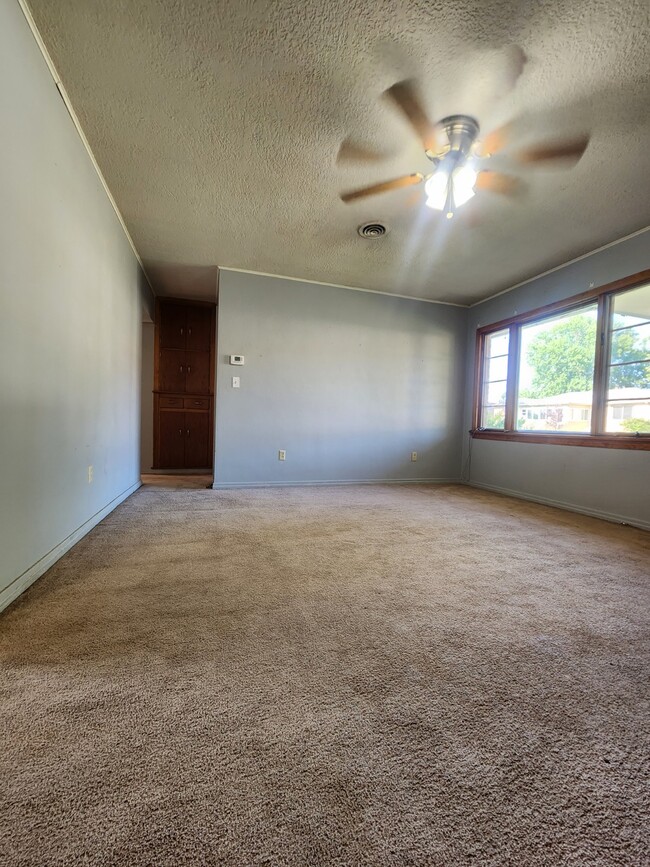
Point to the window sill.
(614, 441)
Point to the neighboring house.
(572, 411)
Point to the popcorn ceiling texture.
(217, 125)
(377, 675)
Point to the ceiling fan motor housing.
(461, 131)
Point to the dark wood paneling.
(171, 370)
(197, 440)
(172, 436)
(184, 379)
(173, 328)
(171, 402)
(199, 329)
(197, 378)
(196, 403)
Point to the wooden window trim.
(602, 295)
(600, 441)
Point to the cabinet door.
(197, 440)
(171, 371)
(173, 326)
(172, 435)
(197, 379)
(199, 328)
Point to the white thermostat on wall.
(236, 359)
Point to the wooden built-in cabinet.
(183, 384)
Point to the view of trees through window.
(556, 373)
(556, 365)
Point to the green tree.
(636, 425)
(562, 358)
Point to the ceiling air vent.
(372, 230)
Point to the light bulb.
(436, 190)
(444, 188)
(464, 179)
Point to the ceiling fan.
(458, 155)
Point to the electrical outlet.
(282, 455)
(414, 456)
(91, 474)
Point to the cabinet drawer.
(171, 401)
(197, 403)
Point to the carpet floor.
(372, 675)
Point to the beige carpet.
(373, 675)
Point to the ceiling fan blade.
(354, 153)
(496, 140)
(404, 95)
(498, 182)
(515, 60)
(569, 151)
(395, 184)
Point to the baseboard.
(559, 504)
(193, 472)
(320, 483)
(22, 582)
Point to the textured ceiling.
(217, 126)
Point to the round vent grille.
(372, 230)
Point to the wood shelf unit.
(184, 362)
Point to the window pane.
(631, 308)
(628, 395)
(631, 344)
(495, 392)
(496, 368)
(495, 372)
(556, 373)
(493, 416)
(497, 343)
(628, 406)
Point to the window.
(628, 375)
(550, 384)
(576, 372)
(495, 378)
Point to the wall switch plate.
(91, 474)
(282, 455)
(414, 456)
(235, 382)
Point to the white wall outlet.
(91, 474)
(414, 456)
(235, 382)
(282, 455)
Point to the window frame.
(602, 295)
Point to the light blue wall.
(611, 483)
(71, 296)
(349, 383)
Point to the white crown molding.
(341, 286)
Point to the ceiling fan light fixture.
(464, 179)
(448, 191)
(436, 190)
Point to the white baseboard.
(559, 504)
(22, 582)
(217, 486)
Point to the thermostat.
(236, 359)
